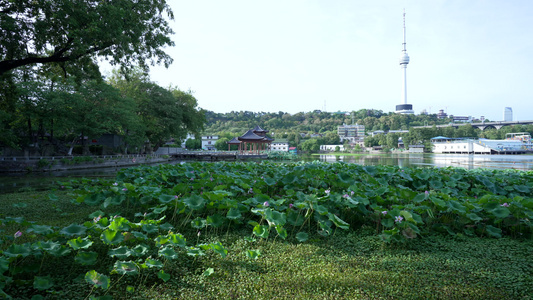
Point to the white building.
(279, 145)
(208, 142)
(353, 133)
(516, 145)
(507, 114)
(331, 148)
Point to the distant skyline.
(469, 58)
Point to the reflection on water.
(44, 181)
(467, 161)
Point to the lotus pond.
(266, 230)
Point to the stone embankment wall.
(44, 164)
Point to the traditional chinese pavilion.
(253, 141)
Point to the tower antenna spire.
(404, 108)
(404, 43)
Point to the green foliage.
(67, 32)
(299, 218)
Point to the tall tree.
(124, 31)
(164, 113)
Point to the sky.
(468, 58)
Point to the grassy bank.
(230, 257)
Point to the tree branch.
(8, 65)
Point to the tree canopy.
(125, 32)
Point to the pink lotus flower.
(505, 204)
(266, 204)
(18, 234)
(384, 212)
(398, 219)
(291, 205)
(327, 191)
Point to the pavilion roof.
(259, 129)
(234, 141)
(250, 136)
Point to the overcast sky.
(468, 57)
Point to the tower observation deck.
(404, 108)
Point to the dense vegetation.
(52, 95)
(308, 131)
(264, 230)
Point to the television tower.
(404, 108)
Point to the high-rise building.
(507, 114)
(404, 108)
(352, 133)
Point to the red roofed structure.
(252, 142)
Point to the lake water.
(519, 162)
(467, 161)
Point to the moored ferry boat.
(514, 143)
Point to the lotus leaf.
(111, 237)
(438, 202)
(215, 220)
(153, 263)
(139, 235)
(208, 272)
(253, 254)
(193, 251)
(194, 202)
(501, 212)
(79, 243)
(294, 219)
(275, 217)
(474, 217)
(389, 223)
(42, 283)
(233, 214)
(121, 252)
(281, 231)
(4, 265)
(92, 199)
(217, 195)
(302, 236)
(59, 251)
(261, 231)
(150, 228)
(269, 181)
(126, 267)
(198, 223)
(139, 250)
(86, 258)
(97, 279)
(161, 240)
(168, 253)
(163, 276)
(177, 239)
(419, 198)
(494, 231)
(40, 229)
(165, 199)
(16, 250)
(120, 224)
(218, 248)
(407, 215)
(97, 214)
(73, 230)
(114, 200)
(338, 222)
